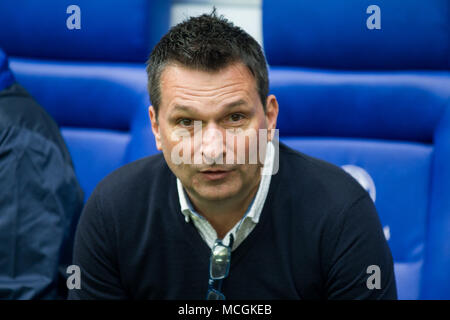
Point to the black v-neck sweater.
(317, 235)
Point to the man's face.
(225, 106)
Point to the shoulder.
(18, 108)
(126, 199)
(338, 225)
(318, 179)
(322, 195)
(133, 182)
(139, 173)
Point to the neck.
(224, 214)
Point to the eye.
(235, 117)
(185, 122)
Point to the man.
(196, 222)
(40, 198)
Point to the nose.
(212, 147)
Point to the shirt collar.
(255, 208)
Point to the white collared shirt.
(243, 228)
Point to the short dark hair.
(208, 43)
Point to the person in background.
(40, 197)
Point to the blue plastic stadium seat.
(91, 80)
(378, 100)
(110, 30)
(334, 34)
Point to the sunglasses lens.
(220, 262)
(215, 295)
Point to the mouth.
(215, 174)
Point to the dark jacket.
(40, 198)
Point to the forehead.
(180, 85)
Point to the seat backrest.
(343, 34)
(109, 30)
(375, 102)
(91, 80)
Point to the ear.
(155, 126)
(271, 114)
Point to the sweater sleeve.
(94, 254)
(360, 264)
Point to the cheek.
(169, 138)
(247, 147)
(176, 142)
(173, 143)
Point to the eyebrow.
(230, 105)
